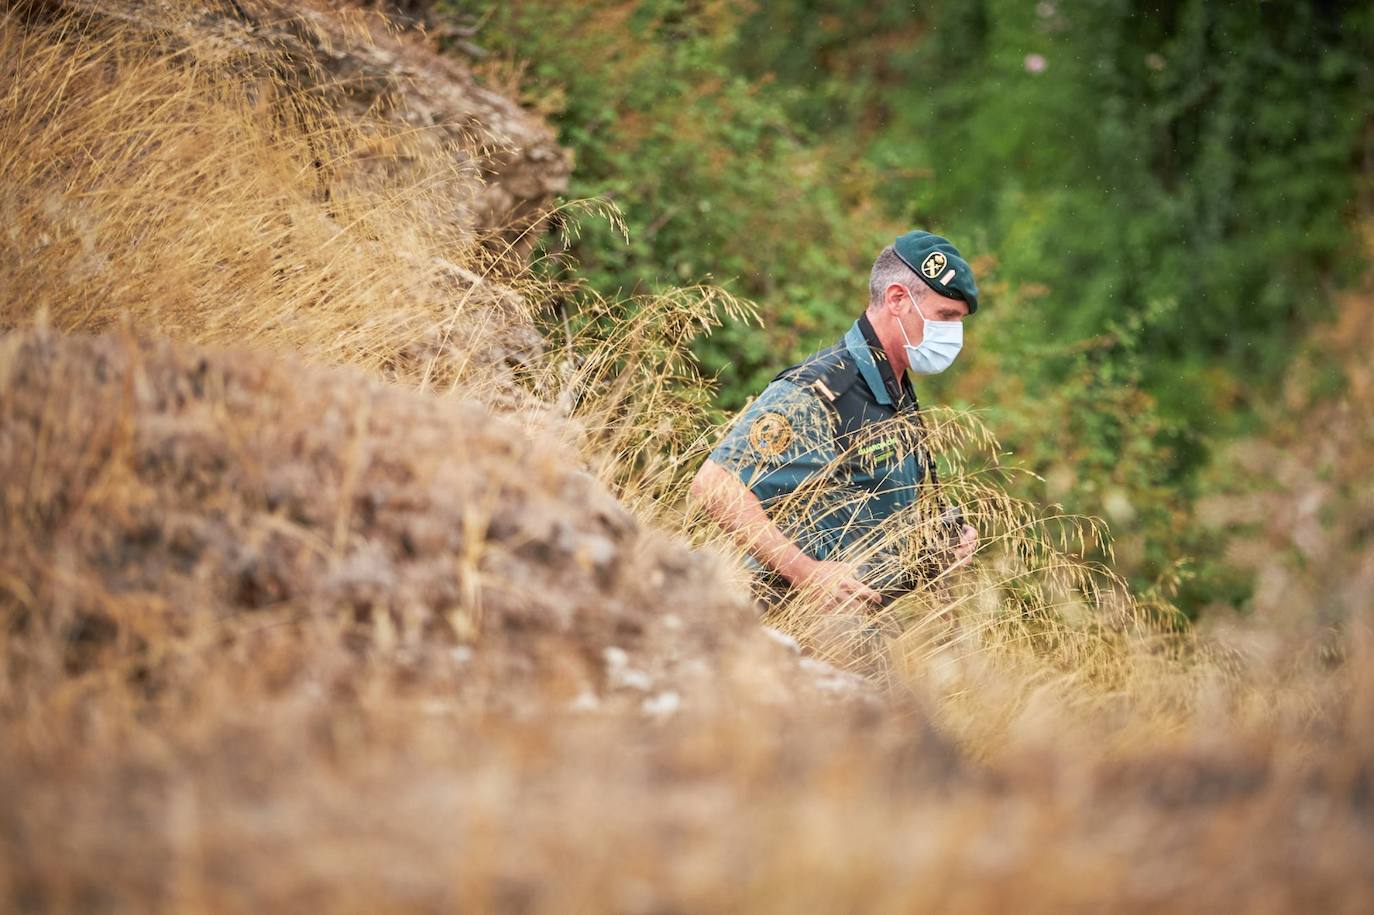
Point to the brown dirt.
(281, 638)
(181, 486)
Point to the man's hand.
(834, 585)
(968, 542)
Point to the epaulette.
(829, 373)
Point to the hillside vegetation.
(345, 564)
(1159, 200)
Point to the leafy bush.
(715, 179)
(1128, 157)
(1159, 197)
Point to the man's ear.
(894, 297)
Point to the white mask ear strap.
(916, 306)
(904, 333)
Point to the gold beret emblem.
(770, 434)
(934, 264)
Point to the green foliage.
(715, 180)
(1126, 155)
(1095, 442)
(1157, 197)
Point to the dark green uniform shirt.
(834, 450)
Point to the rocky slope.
(169, 490)
(365, 65)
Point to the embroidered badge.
(880, 451)
(770, 434)
(934, 264)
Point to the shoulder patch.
(770, 434)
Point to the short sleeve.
(782, 440)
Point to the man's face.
(914, 304)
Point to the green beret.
(939, 263)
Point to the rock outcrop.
(176, 487)
(360, 63)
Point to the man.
(825, 477)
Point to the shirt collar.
(867, 351)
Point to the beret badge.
(934, 264)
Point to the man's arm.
(730, 503)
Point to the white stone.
(662, 705)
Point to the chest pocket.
(886, 460)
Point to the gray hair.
(889, 269)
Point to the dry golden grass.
(196, 185)
(282, 637)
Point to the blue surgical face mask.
(940, 343)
